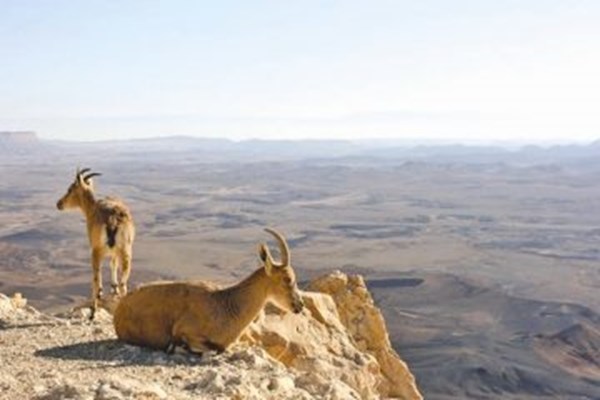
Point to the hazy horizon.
(369, 142)
(392, 70)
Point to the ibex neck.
(244, 301)
(88, 203)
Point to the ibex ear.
(263, 253)
(265, 257)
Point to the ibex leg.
(125, 271)
(96, 280)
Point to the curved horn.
(283, 247)
(87, 178)
(82, 171)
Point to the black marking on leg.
(111, 232)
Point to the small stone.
(154, 391)
(18, 300)
(39, 388)
(98, 330)
(106, 392)
(284, 383)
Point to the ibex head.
(73, 197)
(284, 288)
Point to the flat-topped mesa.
(19, 137)
(17, 142)
(110, 231)
(202, 317)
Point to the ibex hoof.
(122, 291)
(170, 348)
(114, 288)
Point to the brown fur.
(202, 316)
(110, 230)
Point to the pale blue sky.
(467, 70)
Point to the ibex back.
(201, 316)
(110, 232)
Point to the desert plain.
(484, 261)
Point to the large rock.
(340, 335)
(336, 349)
(366, 325)
(15, 309)
(317, 343)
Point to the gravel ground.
(66, 357)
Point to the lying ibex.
(110, 232)
(202, 317)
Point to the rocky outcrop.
(313, 355)
(14, 310)
(365, 323)
(341, 334)
(315, 342)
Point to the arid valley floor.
(484, 262)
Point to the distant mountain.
(17, 141)
(188, 148)
(442, 153)
(215, 150)
(457, 153)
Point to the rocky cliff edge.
(337, 348)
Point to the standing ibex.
(110, 232)
(201, 316)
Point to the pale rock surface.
(365, 323)
(67, 357)
(316, 342)
(341, 334)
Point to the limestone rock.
(14, 310)
(124, 388)
(317, 354)
(18, 300)
(366, 325)
(340, 335)
(305, 343)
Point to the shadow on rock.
(5, 326)
(109, 349)
(117, 353)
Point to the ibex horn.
(283, 247)
(87, 178)
(82, 171)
